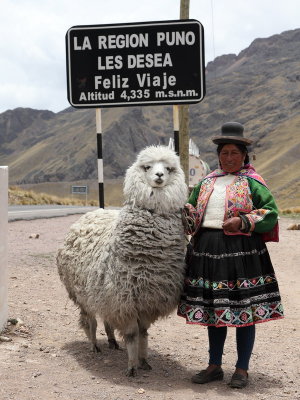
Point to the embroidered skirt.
(230, 281)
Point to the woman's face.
(231, 158)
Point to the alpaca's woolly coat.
(122, 264)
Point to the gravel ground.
(48, 357)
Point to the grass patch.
(17, 196)
(59, 193)
(290, 210)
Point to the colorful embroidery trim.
(226, 255)
(241, 283)
(236, 303)
(238, 200)
(247, 170)
(231, 317)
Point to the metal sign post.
(184, 111)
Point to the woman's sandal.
(205, 377)
(238, 381)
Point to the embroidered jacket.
(247, 195)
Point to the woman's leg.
(216, 337)
(245, 337)
(214, 371)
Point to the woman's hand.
(232, 224)
(187, 221)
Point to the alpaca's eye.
(146, 167)
(169, 169)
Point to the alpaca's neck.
(149, 234)
(158, 200)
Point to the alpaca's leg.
(144, 325)
(89, 324)
(112, 343)
(131, 337)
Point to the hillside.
(64, 147)
(259, 87)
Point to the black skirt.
(230, 281)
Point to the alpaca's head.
(156, 181)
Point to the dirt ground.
(48, 357)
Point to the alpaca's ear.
(133, 180)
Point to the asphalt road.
(16, 213)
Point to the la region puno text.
(135, 40)
(144, 80)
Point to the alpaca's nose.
(159, 174)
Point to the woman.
(230, 280)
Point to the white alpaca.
(127, 266)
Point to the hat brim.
(231, 140)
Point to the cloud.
(32, 46)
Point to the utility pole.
(184, 111)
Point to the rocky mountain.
(259, 87)
(42, 146)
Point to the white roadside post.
(3, 245)
(100, 157)
(176, 128)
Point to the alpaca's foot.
(131, 372)
(95, 348)
(113, 344)
(144, 364)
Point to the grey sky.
(32, 32)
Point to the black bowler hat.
(232, 133)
